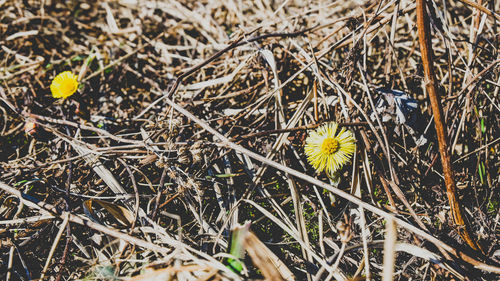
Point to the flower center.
(329, 146)
(68, 87)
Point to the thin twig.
(482, 9)
(295, 129)
(62, 227)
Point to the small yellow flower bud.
(64, 85)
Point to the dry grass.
(192, 117)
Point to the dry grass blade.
(121, 214)
(62, 227)
(391, 236)
(271, 266)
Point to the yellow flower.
(328, 151)
(64, 85)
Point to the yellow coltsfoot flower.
(327, 150)
(64, 85)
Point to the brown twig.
(315, 91)
(83, 127)
(158, 194)
(474, 79)
(431, 84)
(481, 8)
(300, 128)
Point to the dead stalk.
(431, 84)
